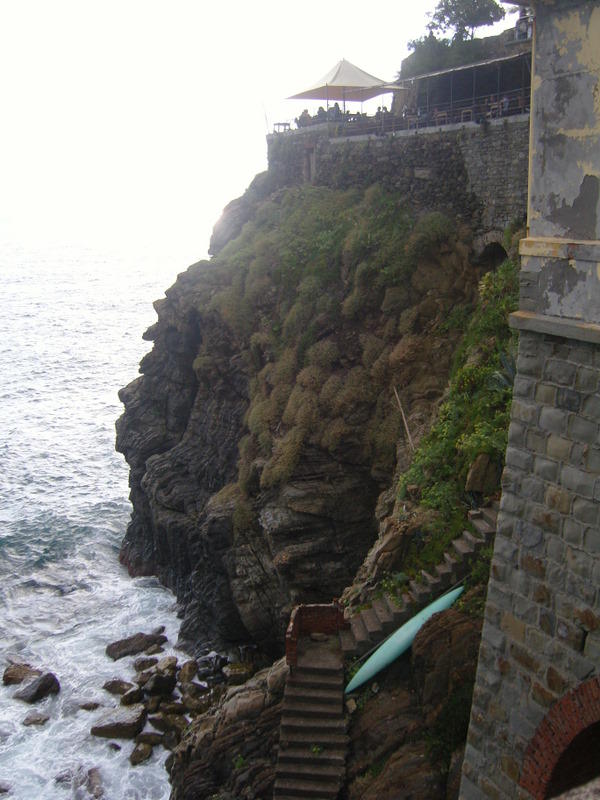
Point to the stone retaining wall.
(477, 173)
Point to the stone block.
(578, 481)
(591, 540)
(572, 635)
(585, 511)
(547, 621)
(583, 430)
(556, 371)
(543, 518)
(535, 640)
(591, 407)
(558, 499)
(524, 411)
(530, 535)
(504, 548)
(579, 563)
(541, 594)
(557, 683)
(533, 488)
(498, 597)
(587, 379)
(593, 460)
(517, 433)
(511, 504)
(536, 442)
(525, 609)
(519, 458)
(578, 457)
(545, 468)
(568, 399)
(572, 532)
(580, 588)
(511, 480)
(530, 365)
(555, 549)
(542, 696)
(524, 387)
(513, 627)
(545, 394)
(558, 447)
(553, 420)
(534, 566)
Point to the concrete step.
(476, 542)
(313, 771)
(463, 549)
(313, 753)
(372, 624)
(490, 514)
(419, 591)
(433, 582)
(315, 726)
(291, 788)
(384, 615)
(360, 633)
(348, 643)
(310, 694)
(306, 739)
(304, 678)
(445, 574)
(319, 710)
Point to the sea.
(71, 324)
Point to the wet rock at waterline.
(39, 688)
(17, 672)
(133, 645)
(35, 718)
(140, 753)
(117, 686)
(123, 722)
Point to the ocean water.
(70, 337)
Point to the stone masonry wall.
(477, 173)
(542, 621)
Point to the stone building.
(535, 719)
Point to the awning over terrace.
(346, 82)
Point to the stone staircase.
(371, 625)
(312, 738)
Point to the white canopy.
(345, 82)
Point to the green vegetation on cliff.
(319, 293)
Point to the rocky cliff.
(264, 425)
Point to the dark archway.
(578, 764)
(549, 757)
(492, 256)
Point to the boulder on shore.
(133, 645)
(140, 753)
(123, 722)
(16, 673)
(117, 686)
(35, 718)
(39, 688)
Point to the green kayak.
(401, 640)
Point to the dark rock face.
(39, 688)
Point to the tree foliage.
(463, 16)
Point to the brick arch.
(567, 718)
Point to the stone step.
(463, 549)
(360, 633)
(348, 643)
(419, 591)
(313, 752)
(433, 582)
(311, 709)
(490, 514)
(445, 574)
(310, 694)
(328, 741)
(451, 561)
(320, 773)
(475, 541)
(315, 726)
(371, 623)
(292, 788)
(384, 615)
(317, 680)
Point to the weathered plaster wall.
(540, 650)
(462, 169)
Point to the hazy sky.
(129, 124)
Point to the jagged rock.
(5, 788)
(135, 695)
(153, 703)
(173, 708)
(167, 664)
(168, 722)
(154, 649)
(140, 753)
(142, 678)
(89, 706)
(149, 737)
(35, 718)
(444, 657)
(237, 673)
(123, 722)
(39, 688)
(17, 672)
(117, 686)
(144, 662)
(187, 671)
(160, 683)
(133, 645)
